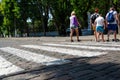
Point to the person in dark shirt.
(92, 20)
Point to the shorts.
(73, 27)
(100, 29)
(94, 28)
(112, 27)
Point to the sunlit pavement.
(56, 58)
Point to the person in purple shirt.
(74, 26)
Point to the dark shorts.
(112, 27)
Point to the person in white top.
(100, 26)
(112, 26)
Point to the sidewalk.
(59, 38)
(82, 38)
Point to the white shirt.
(99, 21)
(114, 13)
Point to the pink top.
(73, 21)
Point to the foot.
(103, 40)
(98, 41)
(72, 41)
(107, 40)
(78, 40)
(116, 40)
(113, 39)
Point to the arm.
(90, 23)
(78, 21)
(117, 19)
(104, 24)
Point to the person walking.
(74, 26)
(119, 24)
(112, 23)
(92, 20)
(100, 26)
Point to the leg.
(71, 34)
(108, 34)
(115, 26)
(102, 35)
(109, 27)
(115, 35)
(97, 36)
(77, 34)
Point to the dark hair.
(96, 10)
(112, 8)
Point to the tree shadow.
(94, 68)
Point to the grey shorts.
(73, 27)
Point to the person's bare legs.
(95, 34)
(77, 34)
(94, 29)
(102, 35)
(108, 35)
(71, 34)
(115, 35)
(109, 32)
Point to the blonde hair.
(73, 13)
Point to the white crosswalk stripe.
(7, 67)
(80, 53)
(95, 44)
(85, 47)
(30, 56)
(83, 50)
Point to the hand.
(104, 27)
(119, 23)
(80, 25)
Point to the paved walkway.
(85, 60)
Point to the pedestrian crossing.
(84, 46)
(80, 53)
(7, 68)
(91, 49)
(105, 44)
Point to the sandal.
(72, 41)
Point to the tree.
(60, 11)
(10, 11)
(16, 13)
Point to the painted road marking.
(34, 57)
(80, 53)
(85, 47)
(7, 67)
(95, 44)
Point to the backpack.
(110, 17)
(94, 16)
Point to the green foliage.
(10, 11)
(15, 14)
(61, 11)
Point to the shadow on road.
(85, 68)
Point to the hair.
(73, 13)
(96, 10)
(112, 8)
